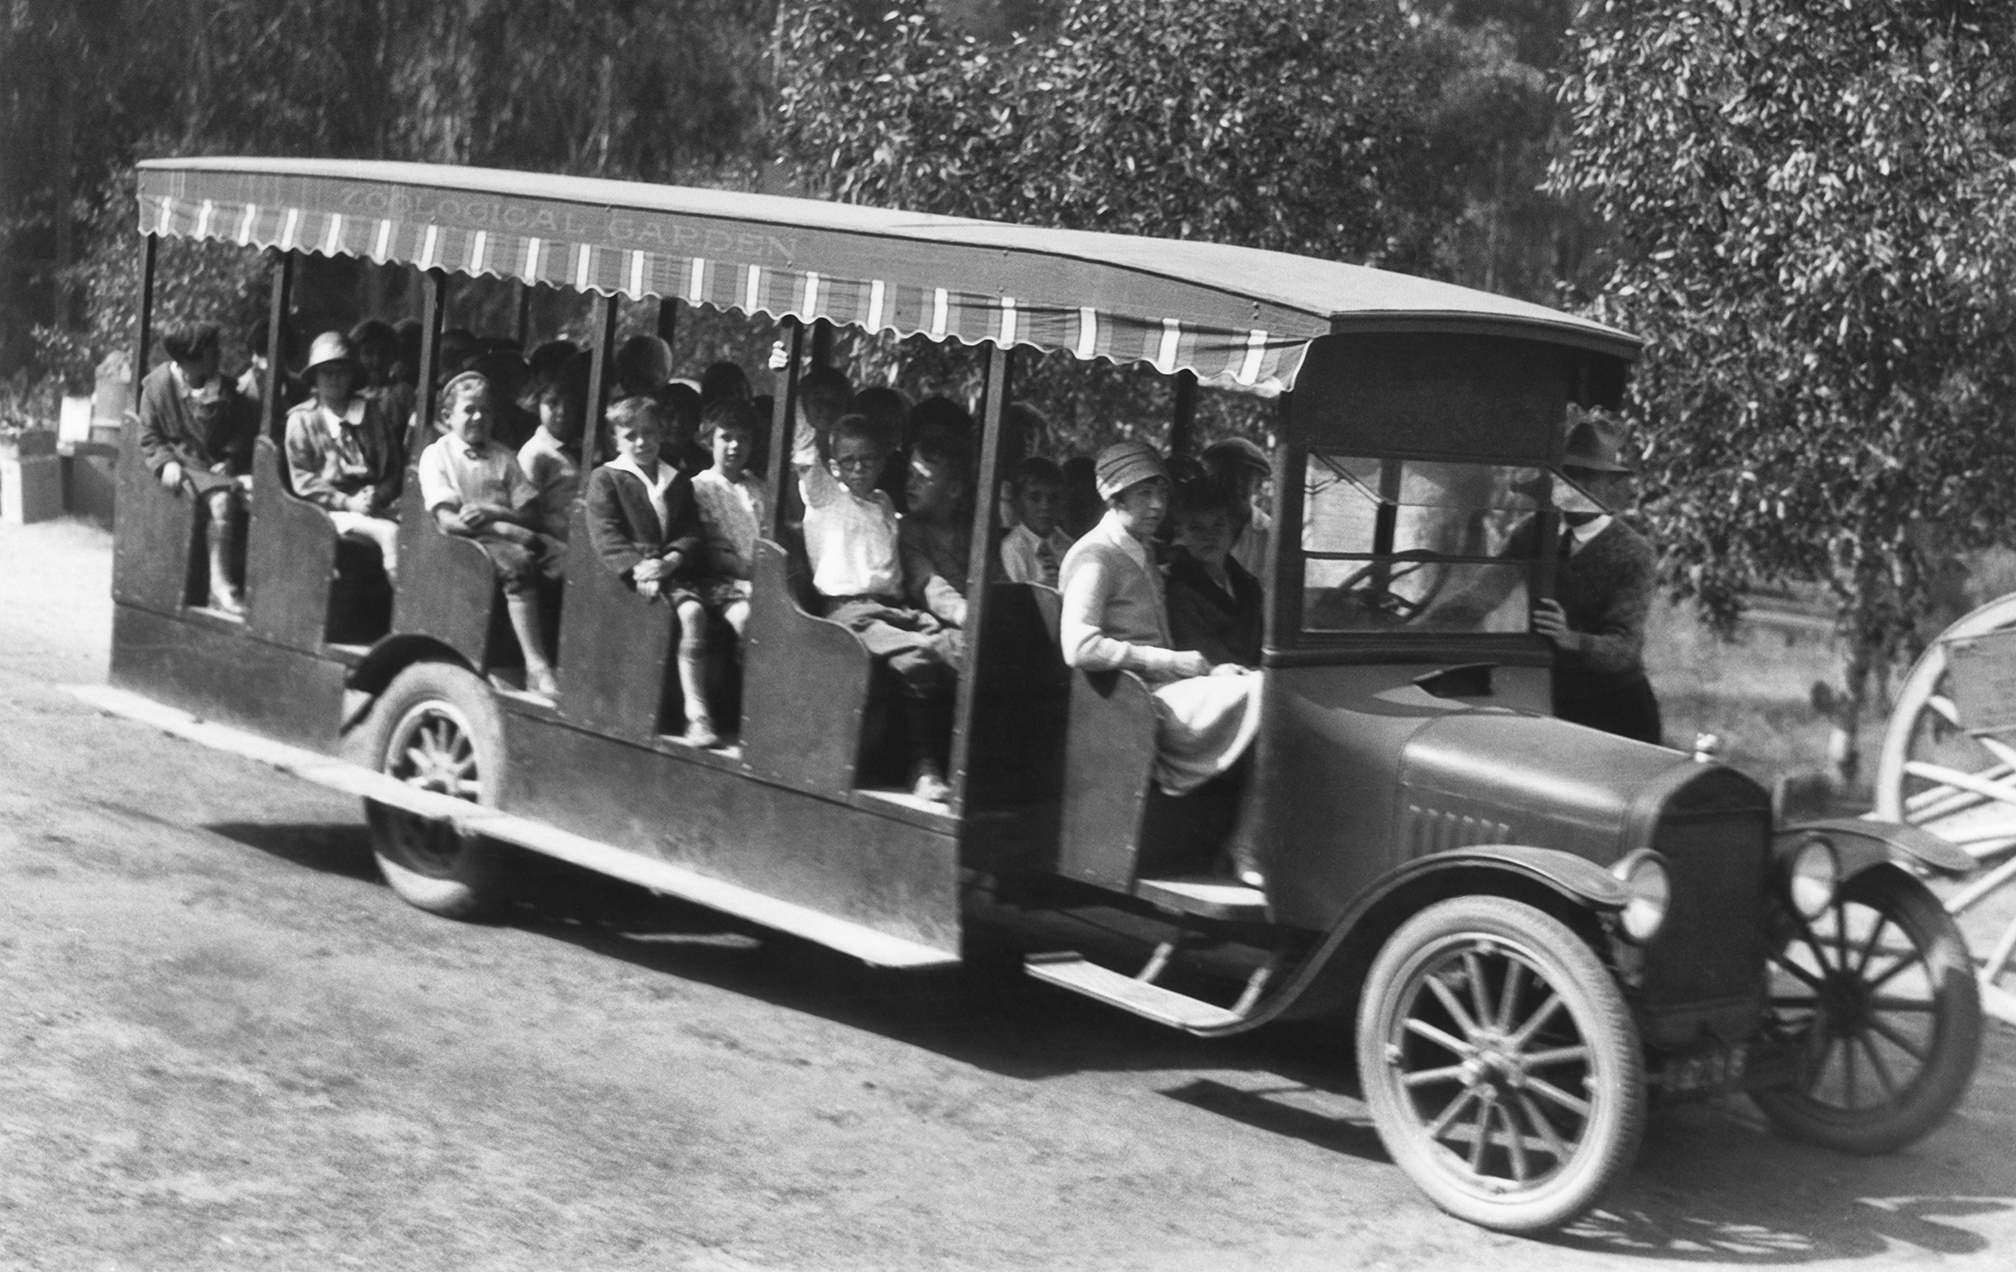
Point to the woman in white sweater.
(1114, 618)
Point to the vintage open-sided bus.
(1535, 929)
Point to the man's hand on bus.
(1551, 621)
(171, 475)
(1191, 663)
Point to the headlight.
(1650, 887)
(1815, 873)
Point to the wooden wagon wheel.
(1932, 772)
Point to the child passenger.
(474, 488)
(1215, 606)
(1114, 617)
(1033, 549)
(937, 531)
(645, 524)
(550, 458)
(196, 433)
(345, 453)
(733, 502)
(853, 542)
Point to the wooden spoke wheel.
(1501, 1065)
(1881, 992)
(436, 727)
(1931, 772)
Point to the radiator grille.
(1435, 830)
(1712, 945)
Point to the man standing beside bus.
(1602, 594)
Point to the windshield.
(1446, 547)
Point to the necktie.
(1046, 556)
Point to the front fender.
(1320, 985)
(1863, 843)
(1577, 878)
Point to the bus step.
(1206, 896)
(1164, 1006)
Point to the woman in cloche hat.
(1114, 617)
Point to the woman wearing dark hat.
(1602, 595)
(1240, 466)
(344, 454)
(1114, 617)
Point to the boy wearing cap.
(196, 433)
(1114, 617)
(345, 454)
(853, 541)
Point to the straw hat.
(329, 347)
(1125, 464)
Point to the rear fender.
(1862, 844)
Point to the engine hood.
(1507, 777)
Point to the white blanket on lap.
(1203, 725)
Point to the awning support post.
(981, 560)
(1182, 422)
(433, 318)
(668, 320)
(782, 417)
(274, 410)
(601, 359)
(146, 336)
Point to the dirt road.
(224, 1044)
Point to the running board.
(1070, 971)
(1206, 896)
(870, 946)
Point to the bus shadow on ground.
(1714, 1185)
(1711, 1184)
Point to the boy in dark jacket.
(645, 525)
(196, 433)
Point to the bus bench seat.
(1109, 765)
(806, 684)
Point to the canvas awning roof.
(1237, 317)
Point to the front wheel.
(1501, 1064)
(436, 728)
(1879, 993)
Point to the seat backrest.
(1050, 604)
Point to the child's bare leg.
(531, 634)
(223, 533)
(693, 674)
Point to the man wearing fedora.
(1602, 594)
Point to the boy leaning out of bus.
(475, 489)
(345, 453)
(854, 545)
(733, 503)
(645, 525)
(196, 432)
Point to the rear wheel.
(436, 728)
(1500, 1063)
(1881, 993)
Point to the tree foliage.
(1363, 130)
(1810, 204)
(670, 90)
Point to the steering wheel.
(1381, 598)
